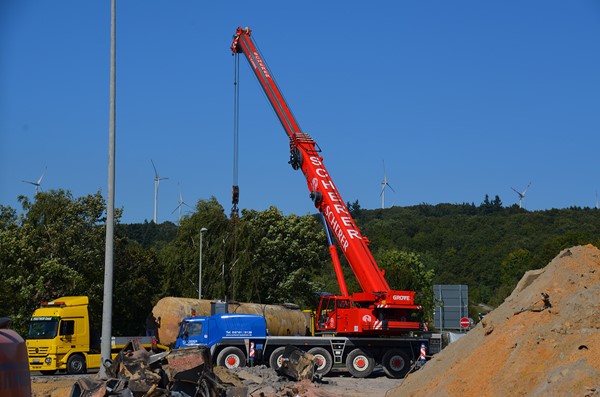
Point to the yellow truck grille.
(37, 351)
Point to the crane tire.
(396, 363)
(324, 358)
(276, 357)
(360, 363)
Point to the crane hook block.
(235, 194)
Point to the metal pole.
(200, 265)
(109, 248)
(155, 200)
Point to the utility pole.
(105, 346)
(202, 231)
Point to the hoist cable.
(235, 188)
(235, 193)
(236, 117)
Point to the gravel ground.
(336, 384)
(345, 385)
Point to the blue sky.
(459, 99)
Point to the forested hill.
(55, 247)
(149, 234)
(488, 247)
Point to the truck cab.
(59, 335)
(211, 330)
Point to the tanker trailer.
(282, 320)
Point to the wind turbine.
(384, 184)
(39, 181)
(521, 194)
(157, 180)
(181, 204)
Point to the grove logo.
(367, 318)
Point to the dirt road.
(345, 385)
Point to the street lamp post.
(200, 265)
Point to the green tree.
(283, 258)
(354, 208)
(406, 271)
(512, 268)
(181, 257)
(138, 277)
(56, 249)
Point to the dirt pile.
(523, 348)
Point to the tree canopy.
(55, 247)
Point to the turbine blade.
(153, 166)
(42, 177)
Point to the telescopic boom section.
(304, 154)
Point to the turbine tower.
(384, 184)
(521, 194)
(39, 181)
(181, 204)
(157, 180)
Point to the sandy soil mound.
(520, 349)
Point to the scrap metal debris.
(298, 364)
(533, 308)
(189, 372)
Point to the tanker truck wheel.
(395, 363)
(231, 357)
(324, 358)
(276, 357)
(76, 364)
(359, 363)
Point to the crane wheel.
(360, 363)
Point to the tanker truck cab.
(59, 335)
(231, 337)
(224, 327)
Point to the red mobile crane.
(377, 310)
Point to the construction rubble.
(189, 372)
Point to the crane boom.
(305, 155)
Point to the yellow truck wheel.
(76, 364)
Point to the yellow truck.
(59, 338)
